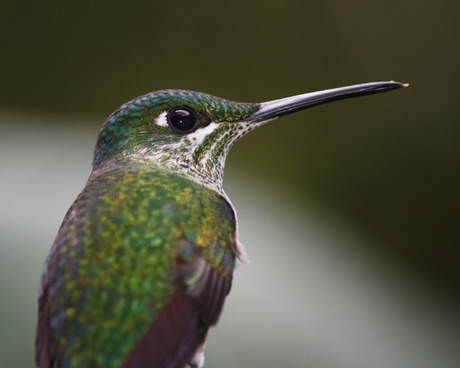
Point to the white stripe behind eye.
(200, 134)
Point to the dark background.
(389, 163)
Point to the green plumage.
(113, 269)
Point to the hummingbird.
(144, 258)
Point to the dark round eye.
(183, 120)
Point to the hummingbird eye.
(183, 120)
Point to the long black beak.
(276, 108)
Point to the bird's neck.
(207, 172)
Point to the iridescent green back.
(112, 267)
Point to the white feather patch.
(198, 136)
(161, 120)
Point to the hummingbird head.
(187, 131)
(192, 132)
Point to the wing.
(45, 345)
(180, 330)
(43, 356)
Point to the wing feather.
(181, 326)
(44, 358)
(167, 341)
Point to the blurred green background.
(350, 211)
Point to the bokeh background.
(349, 211)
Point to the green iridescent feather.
(113, 267)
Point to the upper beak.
(276, 108)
